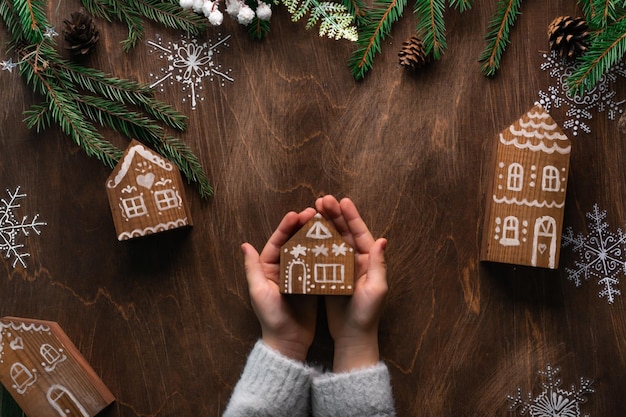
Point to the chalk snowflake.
(553, 401)
(188, 63)
(11, 228)
(601, 97)
(601, 255)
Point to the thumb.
(252, 264)
(377, 268)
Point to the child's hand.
(287, 323)
(353, 321)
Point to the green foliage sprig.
(498, 35)
(77, 98)
(333, 18)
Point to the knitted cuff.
(273, 383)
(363, 393)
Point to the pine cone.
(80, 33)
(412, 55)
(568, 36)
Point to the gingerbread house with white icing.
(526, 200)
(146, 194)
(45, 373)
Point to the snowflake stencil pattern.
(553, 401)
(601, 255)
(601, 97)
(188, 63)
(11, 228)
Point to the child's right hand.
(353, 321)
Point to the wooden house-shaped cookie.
(146, 194)
(316, 260)
(524, 211)
(44, 372)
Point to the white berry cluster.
(237, 9)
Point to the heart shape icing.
(542, 247)
(146, 180)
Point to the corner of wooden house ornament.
(526, 197)
(146, 194)
(45, 373)
(317, 261)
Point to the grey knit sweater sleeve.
(274, 385)
(359, 393)
(271, 385)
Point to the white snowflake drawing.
(601, 255)
(298, 250)
(11, 228)
(189, 63)
(601, 97)
(553, 401)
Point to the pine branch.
(431, 26)
(378, 23)
(589, 12)
(7, 12)
(123, 91)
(172, 15)
(64, 111)
(498, 35)
(358, 9)
(336, 22)
(605, 12)
(607, 48)
(123, 12)
(461, 5)
(258, 29)
(32, 17)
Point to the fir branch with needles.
(375, 26)
(79, 99)
(131, 13)
(498, 35)
(605, 49)
(431, 26)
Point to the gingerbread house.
(316, 260)
(146, 194)
(44, 372)
(525, 203)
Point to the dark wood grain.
(166, 321)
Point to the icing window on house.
(134, 206)
(516, 177)
(329, 273)
(551, 180)
(166, 199)
(49, 353)
(510, 231)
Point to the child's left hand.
(287, 323)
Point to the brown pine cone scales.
(568, 36)
(412, 55)
(80, 33)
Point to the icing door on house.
(297, 276)
(544, 242)
(65, 403)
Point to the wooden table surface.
(166, 321)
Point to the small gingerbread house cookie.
(316, 260)
(146, 194)
(524, 215)
(44, 372)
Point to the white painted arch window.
(551, 179)
(510, 231)
(49, 353)
(515, 179)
